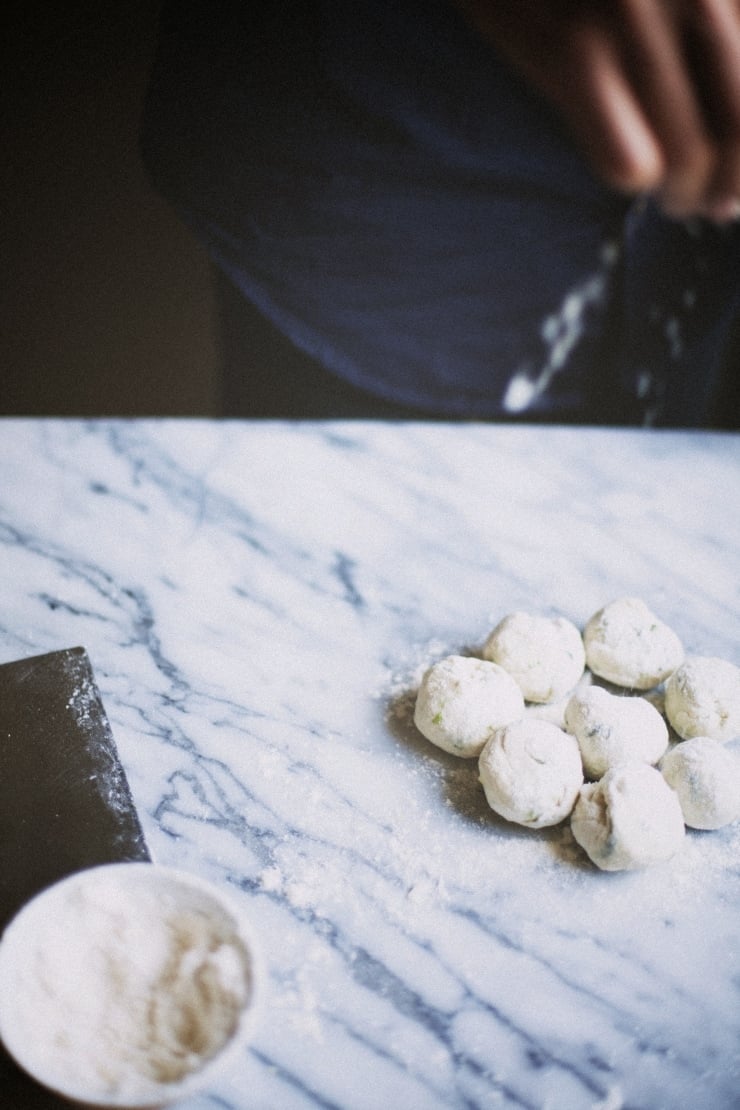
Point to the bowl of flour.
(127, 985)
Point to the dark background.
(106, 301)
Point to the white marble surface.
(256, 601)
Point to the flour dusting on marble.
(262, 599)
(89, 716)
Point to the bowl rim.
(145, 872)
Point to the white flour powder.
(120, 988)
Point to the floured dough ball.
(461, 701)
(531, 773)
(544, 654)
(611, 729)
(706, 778)
(702, 698)
(630, 818)
(628, 645)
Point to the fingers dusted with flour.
(685, 63)
(716, 42)
(649, 88)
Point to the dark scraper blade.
(65, 803)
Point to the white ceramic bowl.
(128, 985)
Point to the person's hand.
(649, 88)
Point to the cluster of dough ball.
(613, 729)
(629, 646)
(612, 769)
(702, 698)
(531, 773)
(544, 655)
(630, 818)
(462, 701)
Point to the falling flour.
(561, 332)
(120, 990)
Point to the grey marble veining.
(258, 601)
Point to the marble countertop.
(258, 602)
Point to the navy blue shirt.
(411, 214)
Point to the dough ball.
(461, 701)
(706, 778)
(611, 729)
(531, 773)
(702, 698)
(629, 819)
(628, 645)
(544, 654)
